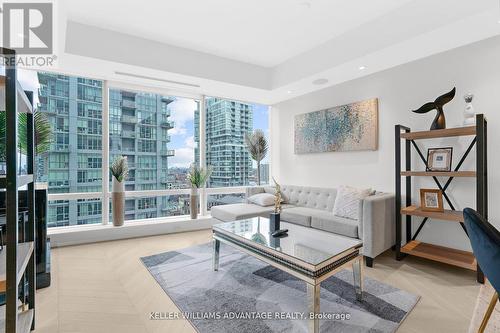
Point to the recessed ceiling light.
(320, 81)
(362, 68)
(289, 92)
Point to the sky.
(182, 135)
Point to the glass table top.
(309, 245)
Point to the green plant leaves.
(199, 176)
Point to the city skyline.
(182, 136)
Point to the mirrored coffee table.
(309, 254)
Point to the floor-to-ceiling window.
(74, 161)
(159, 135)
(156, 134)
(227, 124)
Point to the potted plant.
(257, 146)
(197, 178)
(275, 216)
(119, 172)
(43, 135)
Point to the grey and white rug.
(246, 286)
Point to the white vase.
(193, 204)
(118, 202)
(469, 113)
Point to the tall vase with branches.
(257, 146)
(197, 177)
(119, 172)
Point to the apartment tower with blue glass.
(138, 127)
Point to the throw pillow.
(272, 190)
(262, 199)
(347, 201)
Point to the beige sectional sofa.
(313, 207)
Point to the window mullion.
(105, 152)
(203, 153)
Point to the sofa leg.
(368, 261)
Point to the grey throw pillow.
(262, 199)
(272, 190)
(347, 201)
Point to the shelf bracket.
(419, 228)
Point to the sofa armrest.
(249, 191)
(376, 227)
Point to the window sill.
(85, 234)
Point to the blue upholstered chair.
(485, 241)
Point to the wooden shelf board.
(439, 173)
(23, 102)
(21, 180)
(443, 133)
(24, 251)
(447, 215)
(442, 254)
(24, 320)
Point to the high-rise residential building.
(74, 162)
(138, 128)
(264, 173)
(227, 122)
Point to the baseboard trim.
(78, 235)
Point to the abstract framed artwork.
(349, 127)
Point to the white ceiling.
(260, 32)
(259, 50)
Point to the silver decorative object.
(469, 114)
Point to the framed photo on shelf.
(431, 200)
(439, 159)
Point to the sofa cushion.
(252, 190)
(328, 222)
(270, 189)
(297, 215)
(262, 199)
(310, 197)
(239, 211)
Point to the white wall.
(474, 68)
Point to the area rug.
(247, 295)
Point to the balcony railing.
(167, 124)
(129, 119)
(128, 134)
(167, 152)
(205, 202)
(128, 104)
(60, 147)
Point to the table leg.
(216, 244)
(313, 298)
(357, 270)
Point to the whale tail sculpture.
(440, 121)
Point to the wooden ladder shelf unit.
(417, 248)
(17, 259)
